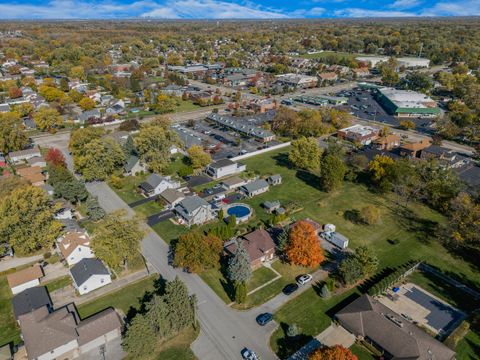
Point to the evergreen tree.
(325, 292)
(240, 292)
(73, 191)
(239, 269)
(180, 306)
(283, 239)
(292, 330)
(94, 211)
(139, 337)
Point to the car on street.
(264, 319)
(248, 354)
(290, 288)
(303, 279)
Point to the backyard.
(9, 331)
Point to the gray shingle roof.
(86, 268)
(221, 163)
(30, 299)
(191, 203)
(152, 182)
(131, 162)
(255, 185)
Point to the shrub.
(292, 330)
(47, 255)
(369, 215)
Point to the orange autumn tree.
(337, 352)
(303, 246)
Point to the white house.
(254, 188)
(194, 210)
(224, 167)
(89, 274)
(25, 279)
(133, 166)
(75, 246)
(156, 184)
(21, 155)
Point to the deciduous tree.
(198, 157)
(197, 251)
(337, 352)
(304, 246)
(54, 157)
(305, 154)
(12, 132)
(27, 220)
(332, 172)
(87, 104)
(47, 118)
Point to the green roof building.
(406, 103)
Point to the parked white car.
(303, 279)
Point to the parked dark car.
(264, 319)
(290, 288)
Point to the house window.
(102, 280)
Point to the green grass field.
(9, 330)
(128, 188)
(59, 283)
(327, 54)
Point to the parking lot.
(220, 141)
(362, 104)
(417, 305)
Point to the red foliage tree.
(14, 92)
(55, 157)
(337, 352)
(304, 246)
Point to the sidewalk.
(16, 262)
(68, 295)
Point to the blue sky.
(227, 9)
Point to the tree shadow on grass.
(340, 305)
(282, 160)
(475, 349)
(226, 284)
(424, 229)
(158, 289)
(288, 345)
(309, 179)
(352, 215)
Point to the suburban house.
(224, 167)
(60, 334)
(23, 155)
(25, 279)
(172, 197)
(263, 105)
(89, 274)
(32, 174)
(233, 182)
(271, 206)
(396, 338)
(37, 161)
(30, 300)
(133, 166)
(194, 210)
(274, 179)
(156, 184)
(254, 188)
(362, 134)
(413, 149)
(65, 211)
(328, 77)
(259, 245)
(387, 142)
(361, 72)
(75, 246)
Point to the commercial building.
(245, 125)
(297, 80)
(407, 103)
(362, 134)
(407, 62)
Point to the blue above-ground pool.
(239, 211)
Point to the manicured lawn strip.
(128, 191)
(311, 314)
(148, 209)
(168, 231)
(176, 164)
(361, 352)
(186, 105)
(469, 347)
(59, 283)
(9, 330)
(217, 282)
(123, 299)
(178, 348)
(260, 277)
(140, 114)
(414, 228)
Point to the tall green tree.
(332, 172)
(94, 211)
(116, 240)
(197, 251)
(181, 306)
(239, 269)
(139, 337)
(305, 154)
(12, 133)
(27, 220)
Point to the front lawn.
(59, 283)
(123, 299)
(311, 313)
(361, 352)
(128, 188)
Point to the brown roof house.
(25, 279)
(259, 245)
(33, 174)
(387, 331)
(413, 149)
(387, 142)
(60, 334)
(75, 246)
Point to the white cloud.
(458, 8)
(312, 12)
(359, 13)
(405, 4)
(212, 9)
